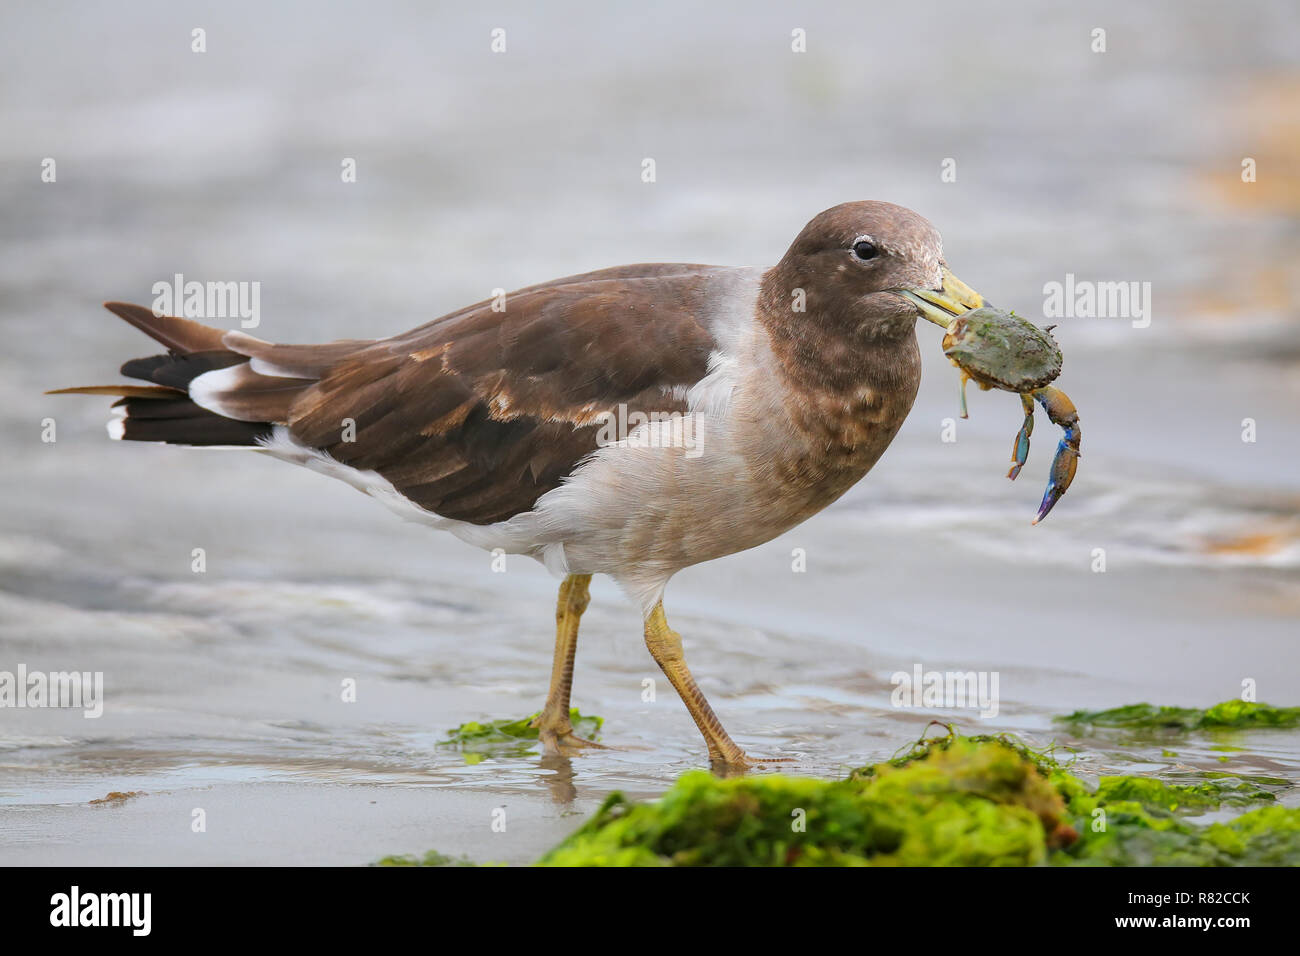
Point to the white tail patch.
(206, 389)
(117, 424)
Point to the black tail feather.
(176, 370)
(178, 421)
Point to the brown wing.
(476, 415)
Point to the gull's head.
(870, 269)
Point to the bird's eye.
(865, 249)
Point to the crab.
(1002, 350)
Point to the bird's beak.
(941, 306)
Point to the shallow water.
(478, 171)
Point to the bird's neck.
(836, 354)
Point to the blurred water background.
(478, 170)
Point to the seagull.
(632, 421)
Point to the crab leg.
(964, 379)
(1062, 412)
(1020, 450)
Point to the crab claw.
(1062, 412)
(1020, 450)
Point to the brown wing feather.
(477, 414)
(293, 361)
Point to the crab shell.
(1002, 350)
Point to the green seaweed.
(432, 858)
(1244, 713)
(509, 738)
(1043, 760)
(1258, 779)
(1229, 714)
(1132, 834)
(1209, 795)
(946, 800)
(964, 803)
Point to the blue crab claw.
(1020, 450)
(1062, 412)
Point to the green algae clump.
(1243, 713)
(432, 858)
(509, 738)
(1210, 795)
(969, 803)
(1134, 834)
(948, 801)
(1239, 714)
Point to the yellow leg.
(553, 725)
(665, 646)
